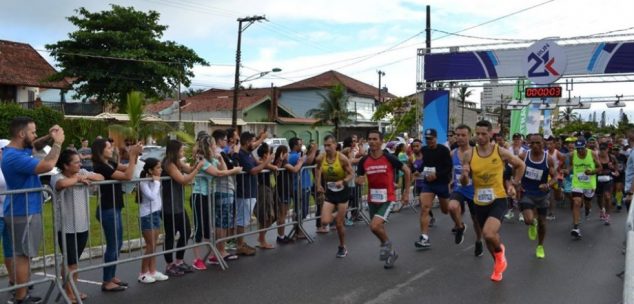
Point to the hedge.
(44, 118)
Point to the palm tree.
(568, 115)
(463, 94)
(333, 109)
(135, 128)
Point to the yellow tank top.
(332, 171)
(488, 177)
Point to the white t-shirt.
(150, 197)
(76, 216)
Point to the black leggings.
(177, 222)
(202, 217)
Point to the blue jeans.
(113, 230)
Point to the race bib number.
(486, 195)
(457, 178)
(429, 170)
(582, 177)
(534, 174)
(378, 195)
(332, 186)
(604, 178)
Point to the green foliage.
(91, 54)
(76, 129)
(401, 112)
(44, 117)
(333, 109)
(135, 128)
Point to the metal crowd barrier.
(29, 238)
(628, 276)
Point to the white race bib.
(604, 178)
(534, 174)
(582, 177)
(332, 186)
(429, 170)
(486, 195)
(378, 195)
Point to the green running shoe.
(540, 252)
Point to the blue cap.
(431, 133)
(580, 143)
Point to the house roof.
(22, 65)
(331, 78)
(215, 100)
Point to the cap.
(391, 145)
(571, 139)
(517, 135)
(431, 133)
(580, 144)
(592, 138)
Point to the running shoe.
(198, 264)
(423, 242)
(213, 260)
(432, 221)
(606, 220)
(28, 300)
(391, 259)
(185, 267)
(588, 213)
(576, 233)
(173, 271)
(231, 244)
(532, 230)
(158, 276)
(550, 216)
(284, 240)
(521, 218)
(342, 252)
(479, 250)
(459, 237)
(509, 215)
(539, 252)
(348, 222)
(500, 265)
(602, 215)
(146, 278)
(385, 251)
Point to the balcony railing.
(73, 108)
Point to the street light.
(236, 90)
(260, 75)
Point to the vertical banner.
(436, 113)
(519, 117)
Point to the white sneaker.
(509, 215)
(158, 276)
(521, 218)
(146, 278)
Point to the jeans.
(113, 230)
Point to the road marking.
(468, 248)
(386, 296)
(80, 280)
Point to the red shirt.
(380, 172)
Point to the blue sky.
(305, 38)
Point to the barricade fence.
(628, 275)
(115, 222)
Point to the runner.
(516, 148)
(380, 169)
(621, 157)
(583, 166)
(462, 194)
(535, 188)
(436, 172)
(416, 167)
(337, 173)
(558, 160)
(605, 181)
(486, 166)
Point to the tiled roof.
(331, 78)
(298, 120)
(215, 100)
(22, 65)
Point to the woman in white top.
(72, 209)
(150, 213)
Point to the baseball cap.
(431, 133)
(580, 144)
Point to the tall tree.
(115, 52)
(463, 94)
(333, 109)
(568, 115)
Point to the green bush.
(76, 129)
(44, 117)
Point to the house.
(303, 95)
(24, 74)
(257, 109)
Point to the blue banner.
(436, 113)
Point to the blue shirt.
(293, 158)
(203, 180)
(536, 173)
(468, 190)
(629, 172)
(247, 182)
(18, 167)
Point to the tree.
(568, 115)
(333, 109)
(401, 112)
(118, 51)
(463, 94)
(136, 128)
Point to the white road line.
(387, 296)
(80, 280)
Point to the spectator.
(175, 218)
(301, 186)
(23, 212)
(110, 205)
(213, 165)
(265, 207)
(283, 188)
(85, 154)
(72, 203)
(6, 245)
(150, 213)
(247, 189)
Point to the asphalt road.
(573, 272)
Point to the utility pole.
(381, 73)
(427, 83)
(236, 86)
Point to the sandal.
(267, 246)
(230, 257)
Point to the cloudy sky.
(355, 37)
